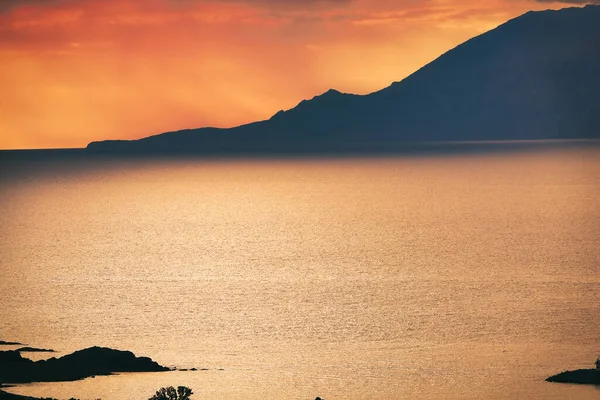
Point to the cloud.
(7, 5)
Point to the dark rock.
(194, 369)
(3, 343)
(580, 376)
(78, 365)
(34, 350)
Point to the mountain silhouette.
(533, 77)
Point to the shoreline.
(11, 396)
(362, 150)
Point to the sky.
(75, 71)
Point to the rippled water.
(443, 276)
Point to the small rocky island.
(79, 365)
(28, 349)
(580, 376)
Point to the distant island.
(28, 349)
(533, 77)
(25, 349)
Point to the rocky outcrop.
(78, 365)
(580, 376)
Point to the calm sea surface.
(451, 276)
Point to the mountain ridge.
(530, 78)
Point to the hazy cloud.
(6, 5)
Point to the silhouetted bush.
(169, 393)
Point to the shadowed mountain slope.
(534, 77)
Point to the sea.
(465, 273)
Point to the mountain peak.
(315, 101)
(331, 91)
(327, 94)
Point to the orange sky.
(73, 71)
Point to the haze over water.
(443, 276)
